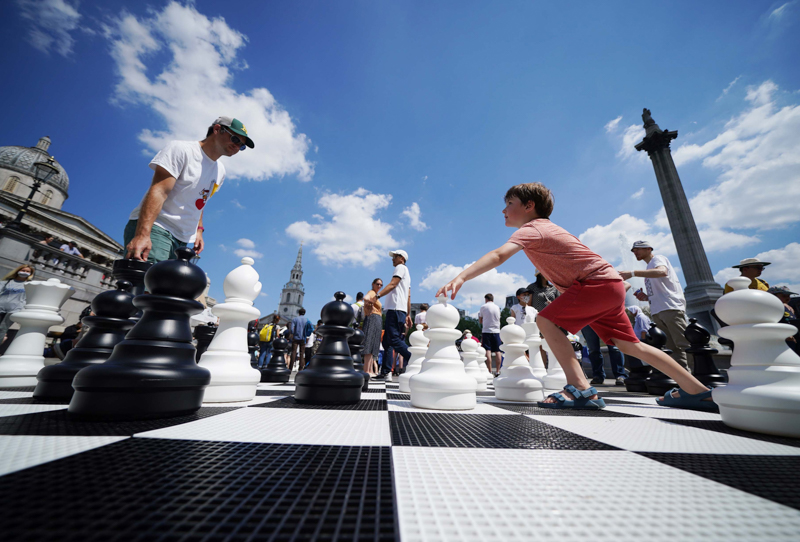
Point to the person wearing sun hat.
(187, 173)
(789, 316)
(398, 308)
(751, 268)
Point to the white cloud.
(246, 243)
(242, 253)
(471, 294)
(638, 194)
(779, 12)
(783, 271)
(632, 135)
(193, 86)
(353, 235)
(727, 89)
(51, 22)
(612, 124)
(237, 204)
(414, 215)
(262, 294)
(347, 298)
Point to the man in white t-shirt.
(489, 318)
(665, 294)
(187, 173)
(398, 308)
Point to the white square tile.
(21, 452)
(480, 408)
(655, 411)
(638, 400)
(17, 410)
(257, 400)
(448, 494)
(15, 394)
(286, 426)
(649, 435)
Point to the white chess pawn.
(418, 348)
(23, 360)
(482, 363)
(555, 379)
(534, 341)
(472, 364)
(232, 377)
(442, 383)
(516, 381)
(763, 391)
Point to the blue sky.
(383, 125)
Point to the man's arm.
(655, 273)
(163, 183)
(199, 245)
(389, 287)
(488, 261)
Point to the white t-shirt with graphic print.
(196, 178)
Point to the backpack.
(266, 333)
(308, 330)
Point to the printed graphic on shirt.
(200, 203)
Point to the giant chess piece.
(638, 372)
(534, 341)
(763, 391)
(516, 381)
(704, 368)
(132, 271)
(418, 348)
(152, 373)
(252, 344)
(276, 370)
(658, 383)
(469, 353)
(356, 344)
(107, 328)
(203, 333)
(23, 359)
(482, 364)
(442, 382)
(556, 379)
(330, 379)
(233, 378)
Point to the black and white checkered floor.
(272, 469)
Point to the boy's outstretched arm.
(488, 261)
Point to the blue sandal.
(581, 401)
(688, 401)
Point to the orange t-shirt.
(559, 255)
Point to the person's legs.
(163, 245)
(263, 348)
(302, 355)
(398, 338)
(388, 351)
(617, 362)
(498, 360)
(368, 364)
(663, 363)
(673, 324)
(595, 355)
(293, 356)
(565, 354)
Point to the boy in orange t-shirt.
(592, 293)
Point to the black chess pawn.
(133, 271)
(330, 379)
(276, 370)
(203, 333)
(658, 383)
(152, 373)
(356, 344)
(252, 344)
(637, 375)
(705, 370)
(113, 310)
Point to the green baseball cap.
(236, 126)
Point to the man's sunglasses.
(236, 140)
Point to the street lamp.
(42, 172)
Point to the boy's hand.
(452, 286)
(641, 296)
(626, 274)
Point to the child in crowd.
(592, 293)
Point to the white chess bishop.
(442, 383)
(516, 381)
(23, 360)
(418, 348)
(555, 379)
(534, 341)
(233, 379)
(763, 391)
(472, 365)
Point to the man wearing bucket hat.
(789, 316)
(665, 294)
(187, 173)
(398, 308)
(751, 268)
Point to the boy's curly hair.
(538, 193)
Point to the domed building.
(16, 174)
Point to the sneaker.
(621, 381)
(596, 381)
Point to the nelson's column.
(701, 291)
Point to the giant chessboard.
(273, 469)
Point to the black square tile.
(539, 411)
(160, 489)
(398, 396)
(773, 477)
(290, 402)
(60, 423)
(271, 393)
(32, 401)
(720, 427)
(484, 431)
(21, 388)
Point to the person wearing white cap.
(751, 268)
(398, 308)
(665, 294)
(187, 173)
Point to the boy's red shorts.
(599, 304)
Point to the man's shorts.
(491, 342)
(599, 304)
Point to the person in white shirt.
(489, 318)
(187, 173)
(398, 308)
(71, 248)
(521, 309)
(665, 294)
(422, 316)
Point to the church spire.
(298, 264)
